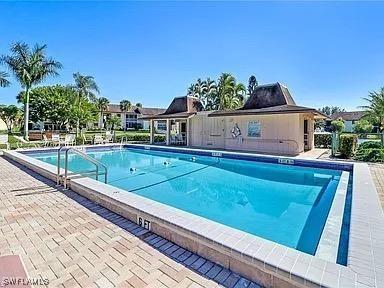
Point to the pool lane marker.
(173, 178)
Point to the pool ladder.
(122, 141)
(64, 178)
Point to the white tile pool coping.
(269, 263)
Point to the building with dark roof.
(132, 118)
(349, 118)
(269, 121)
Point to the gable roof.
(180, 107)
(348, 116)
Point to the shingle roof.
(181, 107)
(269, 99)
(279, 109)
(268, 96)
(348, 116)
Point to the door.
(215, 132)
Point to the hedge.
(348, 143)
(323, 140)
(370, 151)
(139, 138)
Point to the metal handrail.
(85, 157)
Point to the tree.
(252, 84)
(113, 122)
(3, 79)
(363, 126)
(125, 105)
(230, 93)
(337, 125)
(374, 111)
(9, 114)
(102, 105)
(139, 105)
(329, 110)
(50, 104)
(85, 87)
(30, 67)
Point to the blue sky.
(326, 53)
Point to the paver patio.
(377, 171)
(74, 242)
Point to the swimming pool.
(283, 203)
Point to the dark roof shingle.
(348, 116)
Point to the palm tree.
(230, 94)
(30, 67)
(85, 87)
(374, 111)
(210, 95)
(3, 79)
(102, 105)
(252, 84)
(125, 105)
(113, 122)
(191, 90)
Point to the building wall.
(3, 127)
(348, 126)
(282, 134)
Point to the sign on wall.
(254, 129)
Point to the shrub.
(337, 125)
(363, 126)
(347, 144)
(323, 140)
(370, 154)
(140, 137)
(370, 144)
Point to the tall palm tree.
(125, 105)
(30, 67)
(102, 105)
(231, 94)
(210, 95)
(374, 111)
(3, 79)
(85, 87)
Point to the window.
(161, 125)
(130, 121)
(254, 129)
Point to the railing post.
(97, 172)
(58, 167)
(66, 169)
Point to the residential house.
(132, 119)
(350, 118)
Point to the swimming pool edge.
(266, 262)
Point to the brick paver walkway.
(74, 242)
(377, 171)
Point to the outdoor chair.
(56, 140)
(108, 137)
(69, 140)
(98, 139)
(4, 140)
(46, 141)
(87, 140)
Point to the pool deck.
(73, 242)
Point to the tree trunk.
(26, 114)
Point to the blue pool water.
(285, 204)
